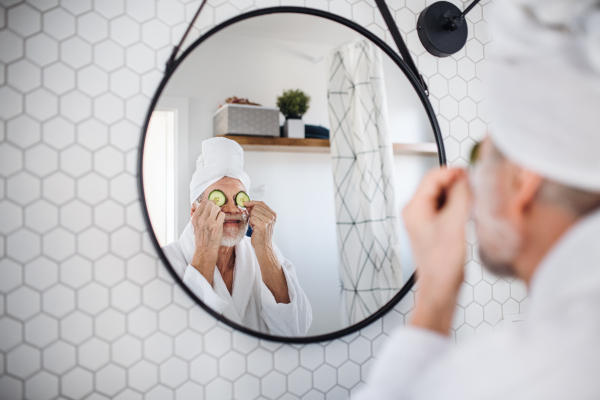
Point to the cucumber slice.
(218, 197)
(241, 198)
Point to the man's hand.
(435, 220)
(262, 221)
(207, 221)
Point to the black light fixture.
(442, 28)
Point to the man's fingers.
(252, 204)
(214, 212)
(433, 187)
(251, 221)
(208, 210)
(458, 196)
(205, 209)
(264, 214)
(221, 218)
(256, 219)
(256, 222)
(435, 181)
(262, 208)
(199, 209)
(263, 218)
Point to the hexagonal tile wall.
(86, 307)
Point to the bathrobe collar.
(570, 270)
(244, 274)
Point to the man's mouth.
(234, 220)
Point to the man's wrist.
(266, 256)
(204, 262)
(434, 309)
(438, 320)
(262, 249)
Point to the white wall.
(300, 190)
(86, 307)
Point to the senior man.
(246, 279)
(536, 193)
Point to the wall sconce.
(442, 28)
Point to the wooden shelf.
(263, 143)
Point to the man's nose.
(230, 207)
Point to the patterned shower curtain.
(363, 171)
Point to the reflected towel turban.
(220, 157)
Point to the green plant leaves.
(293, 103)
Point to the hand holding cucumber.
(435, 222)
(207, 221)
(262, 221)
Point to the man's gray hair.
(576, 201)
(199, 199)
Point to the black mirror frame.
(169, 71)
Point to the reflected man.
(246, 279)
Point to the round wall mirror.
(334, 133)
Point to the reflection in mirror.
(328, 248)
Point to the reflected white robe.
(251, 303)
(553, 354)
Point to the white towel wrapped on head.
(544, 88)
(220, 157)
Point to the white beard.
(234, 235)
(499, 241)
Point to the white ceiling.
(293, 28)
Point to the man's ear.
(524, 186)
(194, 206)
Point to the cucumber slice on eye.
(241, 198)
(218, 197)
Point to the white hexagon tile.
(87, 310)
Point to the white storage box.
(241, 119)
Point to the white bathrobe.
(251, 303)
(554, 354)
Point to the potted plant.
(293, 104)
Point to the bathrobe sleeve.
(198, 284)
(407, 356)
(291, 319)
(193, 279)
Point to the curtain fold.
(363, 171)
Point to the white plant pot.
(293, 128)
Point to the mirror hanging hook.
(456, 22)
(442, 28)
(171, 61)
(395, 32)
